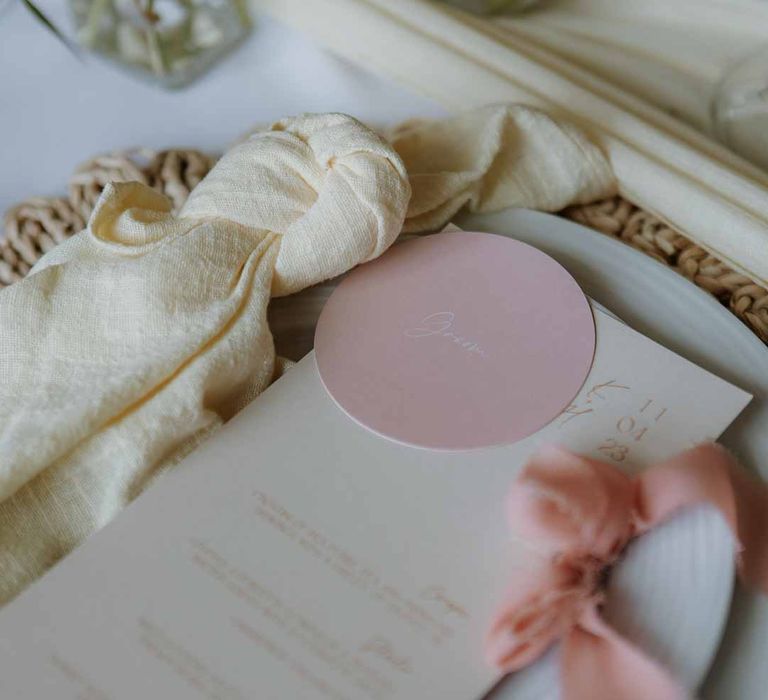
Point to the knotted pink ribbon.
(582, 513)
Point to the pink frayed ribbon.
(582, 513)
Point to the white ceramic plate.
(666, 307)
(694, 552)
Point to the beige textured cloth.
(133, 340)
(662, 165)
(496, 157)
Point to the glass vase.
(490, 7)
(170, 42)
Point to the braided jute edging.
(32, 227)
(36, 225)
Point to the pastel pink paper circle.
(456, 341)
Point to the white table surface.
(56, 111)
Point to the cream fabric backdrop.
(132, 341)
(663, 165)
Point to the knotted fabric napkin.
(580, 514)
(132, 341)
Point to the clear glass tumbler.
(740, 108)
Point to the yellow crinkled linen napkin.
(133, 340)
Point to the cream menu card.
(298, 555)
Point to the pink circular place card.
(456, 341)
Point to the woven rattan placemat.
(37, 224)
